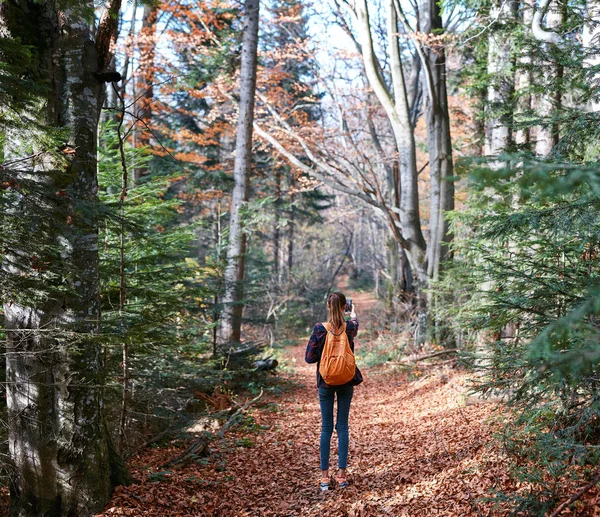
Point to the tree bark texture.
(501, 79)
(58, 440)
(547, 103)
(231, 319)
(439, 142)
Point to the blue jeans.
(344, 397)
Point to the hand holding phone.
(349, 306)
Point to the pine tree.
(527, 255)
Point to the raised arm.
(352, 324)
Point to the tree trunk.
(231, 319)
(146, 81)
(498, 117)
(523, 77)
(290, 239)
(395, 270)
(397, 110)
(276, 232)
(111, 94)
(58, 440)
(440, 150)
(439, 143)
(547, 103)
(501, 81)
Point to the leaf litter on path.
(416, 450)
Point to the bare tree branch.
(538, 31)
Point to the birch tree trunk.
(547, 103)
(501, 71)
(58, 440)
(231, 319)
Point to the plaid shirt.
(315, 345)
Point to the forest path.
(415, 450)
(364, 301)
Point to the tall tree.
(500, 67)
(591, 43)
(551, 72)
(276, 223)
(58, 440)
(523, 76)
(231, 318)
(398, 95)
(395, 101)
(288, 75)
(439, 140)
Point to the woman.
(336, 305)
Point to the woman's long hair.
(336, 304)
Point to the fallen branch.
(439, 363)
(231, 420)
(575, 496)
(430, 356)
(237, 356)
(200, 445)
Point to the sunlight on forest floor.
(416, 450)
(401, 456)
(410, 444)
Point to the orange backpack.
(337, 361)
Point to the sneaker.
(342, 482)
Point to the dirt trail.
(364, 301)
(415, 450)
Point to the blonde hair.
(336, 303)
